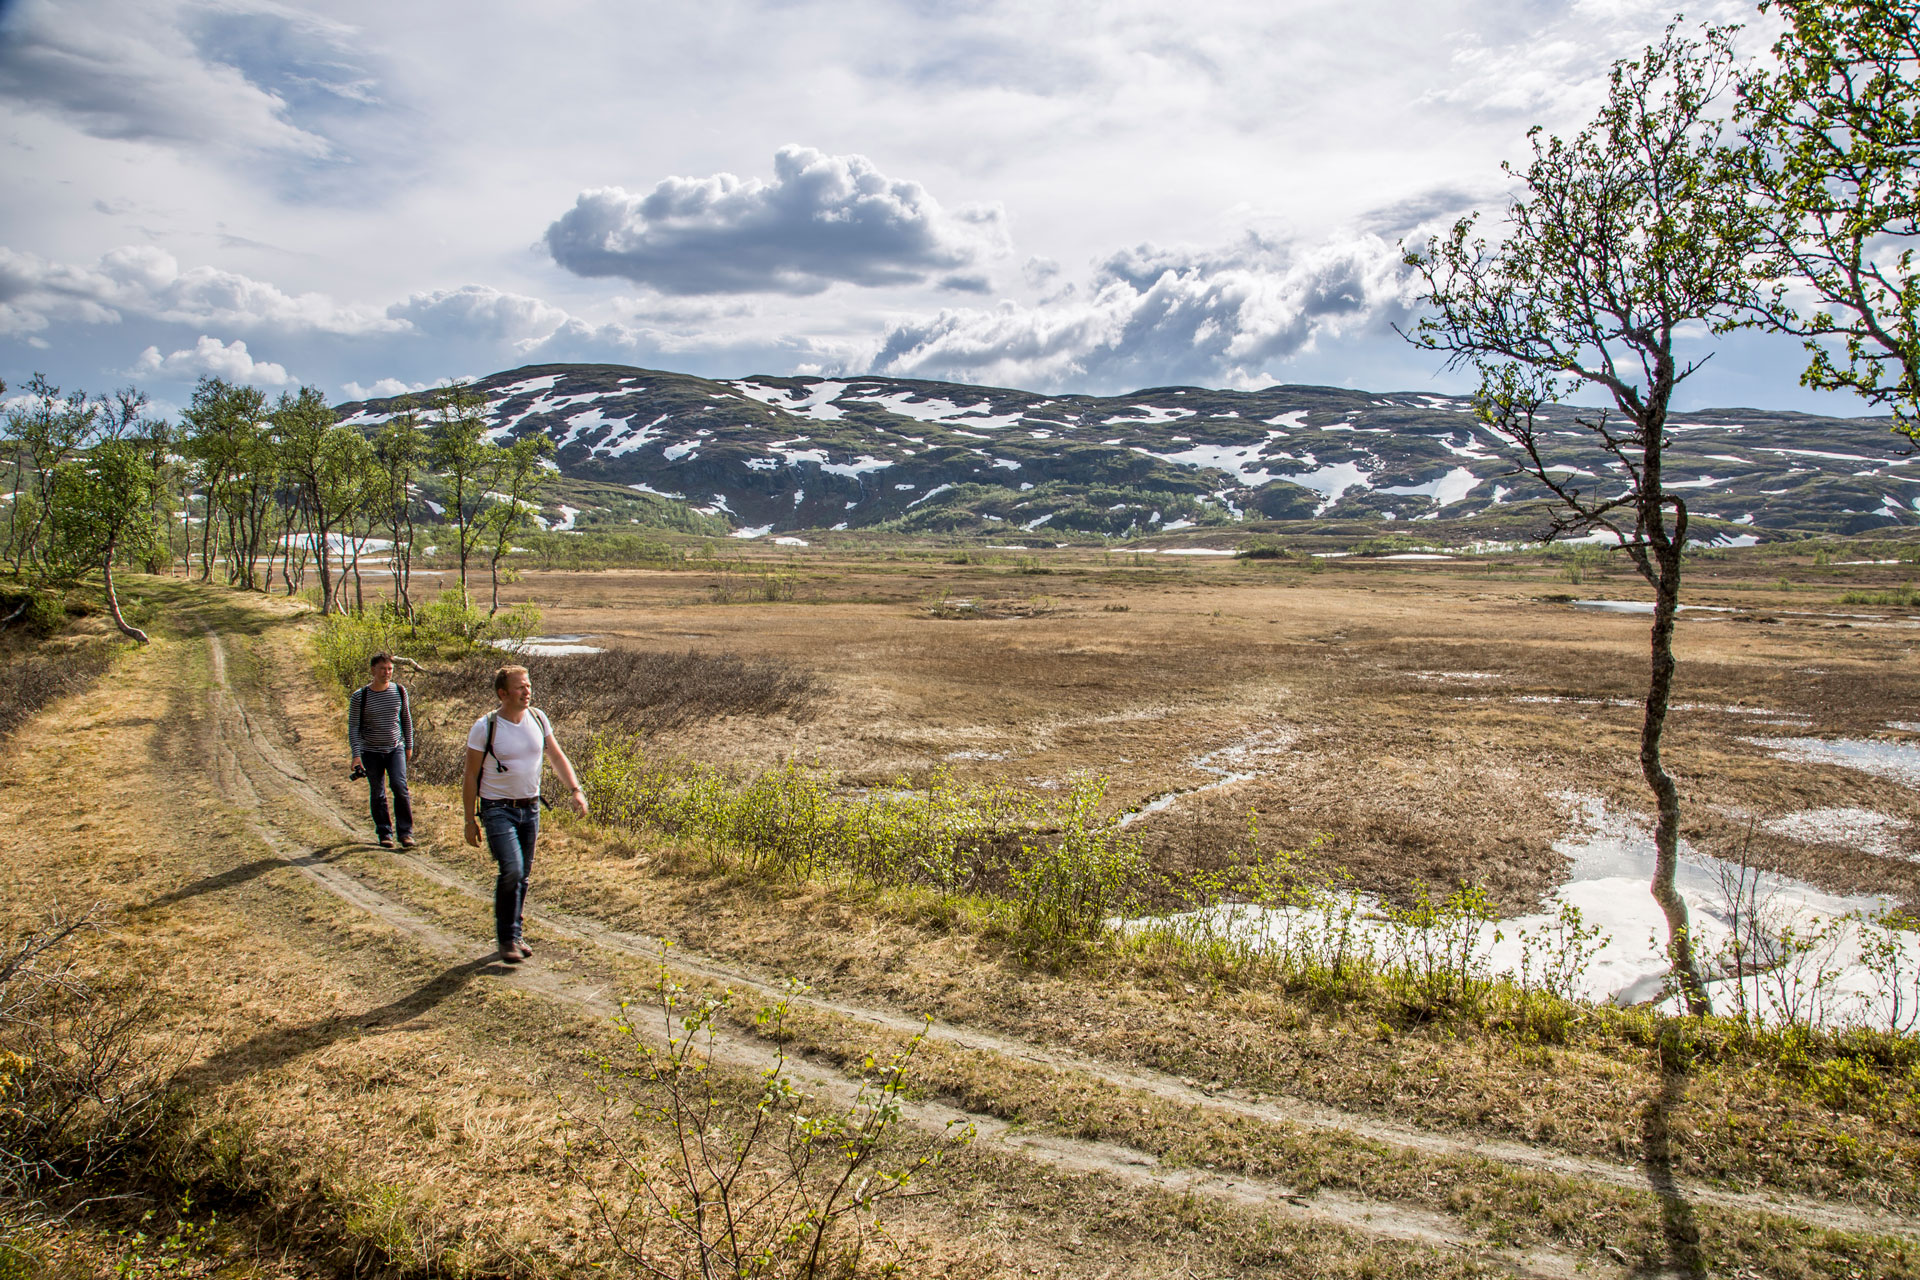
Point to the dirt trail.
(252, 766)
(258, 773)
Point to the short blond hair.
(505, 674)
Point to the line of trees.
(261, 493)
(1705, 197)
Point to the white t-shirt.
(517, 746)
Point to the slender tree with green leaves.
(331, 469)
(41, 436)
(103, 510)
(1622, 238)
(401, 452)
(228, 442)
(1833, 157)
(468, 464)
(522, 475)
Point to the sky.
(1059, 195)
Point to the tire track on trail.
(254, 768)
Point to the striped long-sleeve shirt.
(379, 719)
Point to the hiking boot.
(407, 842)
(508, 955)
(386, 842)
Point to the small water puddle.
(1896, 761)
(1643, 606)
(549, 646)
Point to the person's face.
(382, 672)
(518, 695)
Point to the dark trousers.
(511, 833)
(382, 767)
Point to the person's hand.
(357, 764)
(411, 752)
(580, 802)
(473, 831)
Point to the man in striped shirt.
(380, 733)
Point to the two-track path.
(262, 776)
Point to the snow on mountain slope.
(773, 454)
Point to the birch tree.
(467, 462)
(1621, 237)
(522, 476)
(1833, 156)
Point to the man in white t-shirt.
(500, 792)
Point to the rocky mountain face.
(777, 454)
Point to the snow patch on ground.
(1331, 482)
(1853, 828)
(1445, 491)
(815, 402)
(1148, 415)
(1612, 859)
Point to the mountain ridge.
(774, 454)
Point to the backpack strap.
(539, 718)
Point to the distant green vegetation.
(1898, 597)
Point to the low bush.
(689, 1174)
(1898, 597)
(1057, 868)
(451, 626)
(81, 1086)
(39, 678)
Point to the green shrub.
(691, 1173)
(1063, 868)
(1066, 888)
(1898, 597)
(448, 627)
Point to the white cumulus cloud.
(822, 220)
(1225, 316)
(149, 282)
(212, 357)
(479, 312)
(381, 389)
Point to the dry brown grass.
(624, 691)
(394, 1108)
(1411, 770)
(356, 1105)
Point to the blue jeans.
(511, 833)
(382, 767)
